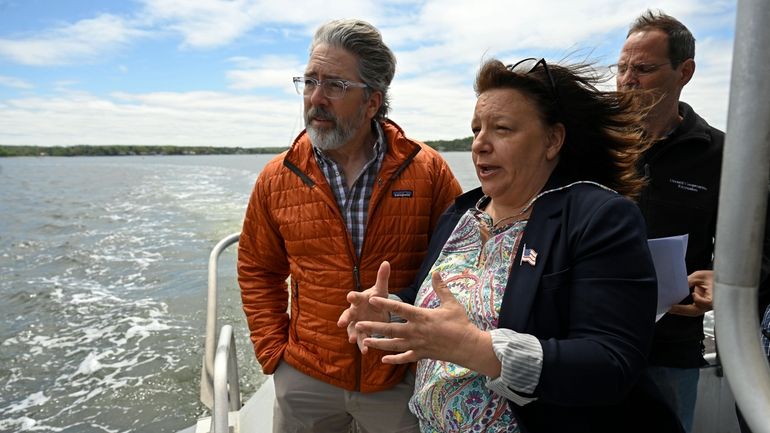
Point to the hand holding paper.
(668, 258)
(702, 283)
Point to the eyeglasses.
(636, 69)
(530, 64)
(333, 89)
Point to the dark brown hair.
(681, 43)
(604, 135)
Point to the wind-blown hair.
(604, 136)
(681, 43)
(376, 62)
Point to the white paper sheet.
(668, 257)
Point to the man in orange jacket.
(351, 192)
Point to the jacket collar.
(300, 157)
(558, 179)
(692, 127)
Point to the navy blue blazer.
(590, 298)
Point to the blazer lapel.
(524, 279)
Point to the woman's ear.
(555, 141)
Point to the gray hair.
(376, 62)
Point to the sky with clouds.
(218, 72)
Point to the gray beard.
(329, 140)
(337, 136)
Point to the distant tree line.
(461, 144)
(456, 145)
(125, 150)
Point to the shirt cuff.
(521, 356)
(395, 317)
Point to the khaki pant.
(305, 404)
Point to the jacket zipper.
(357, 277)
(356, 270)
(295, 300)
(357, 280)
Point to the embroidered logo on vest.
(688, 186)
(402, 193)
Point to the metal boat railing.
(741, 216)
(227, 390)
(220, 388)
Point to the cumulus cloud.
(439, 45)
(270, 71)
(435, 106)
(14, 82)
(84, 40)
(449, 33)
(708, 90)
(203, 23)
(214, 23)
(188, 118)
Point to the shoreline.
(457, 145)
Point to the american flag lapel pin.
(529, 255)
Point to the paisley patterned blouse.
(475, 263)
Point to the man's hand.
(702, 283)
(360, 308)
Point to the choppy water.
(102, 287)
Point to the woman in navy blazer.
(534, 309)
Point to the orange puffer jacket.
(294, 228)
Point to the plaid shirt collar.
(354, 203)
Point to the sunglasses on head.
(528, 65)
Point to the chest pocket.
(552, 317)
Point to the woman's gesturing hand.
(442, 333)
(361, 309)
